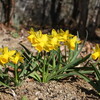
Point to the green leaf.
(53, 72)
(70, 65)
(61, 76)
(54, 61)
(92, 83)
(25, 68)
(26, 56)
(86, 72)
(83, 76)
(96, 71)
(3, 75)
(71, 52)
(81, 60)
(35, 76)
(1, 83)
(27, 50)
(74, 63)
(11, 64)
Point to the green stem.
(53, 60)
(69, 56)
(44, 69)
(59, 57)
(16, 75)
(65, 53)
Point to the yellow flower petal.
(95, 55)
(5, 50)
(12, 52)
(31, 38)
(54, 33)
(3, 59)
(15, 59)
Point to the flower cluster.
(7, 55)
(52, 41)
(96, 54)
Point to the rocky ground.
(64, 90)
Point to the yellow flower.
(68, 34)
(16, 58)
(54, 33)
(72, 42)
(42, 42)
(38, 40)
(1, 50)
(64, 36)
(31, 31)
(5, 54)
(96, 54)
(34, 36)
(3, 59)
(53, 43)
(31, 38)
